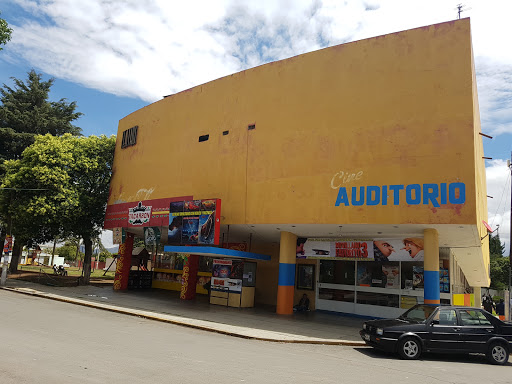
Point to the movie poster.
(417, 277)
(207, 228)
(221, 271)
(392, 273)
(189, 230)
(175, 222)
(194, 222)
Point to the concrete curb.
(229, 330)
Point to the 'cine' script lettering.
(343, 177)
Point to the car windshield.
(418, 313)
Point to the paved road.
(44, 341)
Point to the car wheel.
(409, 348)
(497, 354)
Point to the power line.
(505, 188)
(26, 189)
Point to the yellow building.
(358, 147)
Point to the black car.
(428, 328)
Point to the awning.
(216, 252)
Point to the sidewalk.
(252, 323)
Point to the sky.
(115, 56)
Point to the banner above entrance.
(406, 249)
(143, 213)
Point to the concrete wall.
(395, 109)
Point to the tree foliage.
(68, 252)
(499, 264)
(26, 111)
(5, 32)
(60, 187)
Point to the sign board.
(194, 222)
(131, 214)
(8, 244)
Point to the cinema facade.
(354, 174)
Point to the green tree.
(496, 247)
(70, 250)
(5, 32)
(60, 187)
(39, 192)
(104, 255)
(26, 111)
(499, 265)
(90, 174)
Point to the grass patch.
(72, 271)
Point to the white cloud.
(154, 48)
(498, 186)
(107, 239)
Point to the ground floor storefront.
(233, 276)
(186, 249)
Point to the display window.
(337, 272)
(412, 275)
(164, 261)
(377, 283)
(382, 275)
(381, 299)
(336, 294)
(306, 277)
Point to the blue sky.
(114, 57)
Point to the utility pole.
(460, 8)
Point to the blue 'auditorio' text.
(414, 194)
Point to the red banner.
(124, 263)
(143, 213)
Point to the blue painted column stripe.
(431, 283)
(287, 274)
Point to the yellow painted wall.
(480, 181)
(397, 109)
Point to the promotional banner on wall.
(227, 275)
(117, 235)
(194, 222)
(406, 249)
(9, 240)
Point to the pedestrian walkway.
(261, 323)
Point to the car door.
(444, 331)
(476, 329)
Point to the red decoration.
(124, 263)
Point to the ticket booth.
(233, 274)
(233, 283)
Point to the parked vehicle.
(447, 329)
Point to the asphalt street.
(45, 341)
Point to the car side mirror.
(434, 322)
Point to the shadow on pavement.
(472, 358)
